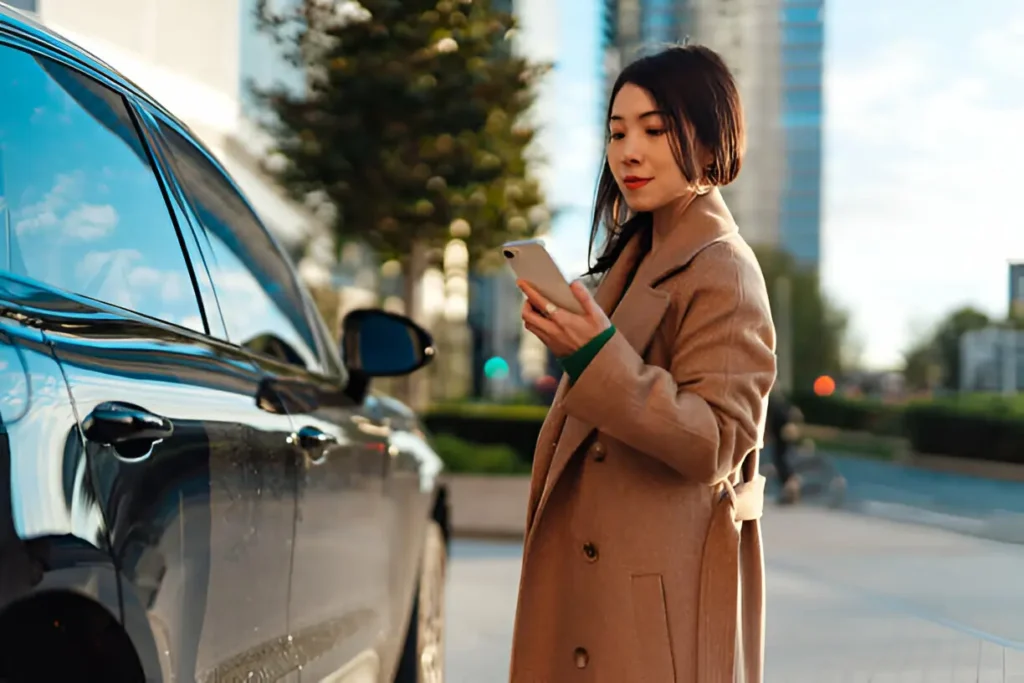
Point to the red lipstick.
(633, 182)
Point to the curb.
(488, 506)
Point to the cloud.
(63, 213)
(1001, 48)
(90, 222)
(921, 189)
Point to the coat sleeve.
(704, 414)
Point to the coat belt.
(720, 656)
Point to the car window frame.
(25, 44)
(325, 365)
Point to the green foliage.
(973, 426)
(503, 411)
(934, 361)
(818, 326)
(514, 426)
(461, 456)
(851, 414)
(414, 117)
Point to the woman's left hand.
(562, 331)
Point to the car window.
(80, 206)
(331, 355)
(259, 298)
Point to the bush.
(516, 427)
(461, 456)
(860, 415)
(979, 427)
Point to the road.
(851, 599)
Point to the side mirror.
(381, 344)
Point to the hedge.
(461, 456)
(985, 427)
(516, 427)
(975, 426)
(858, 415)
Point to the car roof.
(24, 25)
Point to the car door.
(49, 515)
(192, 465)
(340, 592)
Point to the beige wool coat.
(642, 560)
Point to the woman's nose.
(632, 154)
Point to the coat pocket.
(653, 646)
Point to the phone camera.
(508, 253)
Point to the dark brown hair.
(701, 104)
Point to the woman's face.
(639, 153)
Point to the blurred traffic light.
(496, 368)
(824, 386)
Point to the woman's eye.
(656, 131)
(616, 136)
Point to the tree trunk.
(413, 389)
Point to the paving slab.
(851, 599)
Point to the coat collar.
(704, 222)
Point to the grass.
(858, 444)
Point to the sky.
(924, 139)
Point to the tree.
(413, 118)
(922, 369)
(935, 360)
(818, 326)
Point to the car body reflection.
(195, 485)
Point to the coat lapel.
(637, 318)
(558, 428)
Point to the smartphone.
(530, 261)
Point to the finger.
(538, 300)
(583, 296)
(539, 334)
(528, 309)
(541, 322)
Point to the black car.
(196, 483)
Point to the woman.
(642, 559)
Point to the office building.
(774, 49)
(1016, 308)
(992, 360)
(802, 76)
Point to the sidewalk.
(851, 599)
(989, 508)
(856, 599)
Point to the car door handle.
(314, 439)
(114, 423)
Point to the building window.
(801, 15)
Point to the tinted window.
(81, 206)
(262, 307)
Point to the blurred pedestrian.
(642, 559)
(782, 431)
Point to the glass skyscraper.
(775, 50)
(802, 53)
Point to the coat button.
(582, 657)
(599, 452)
(590, 550)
